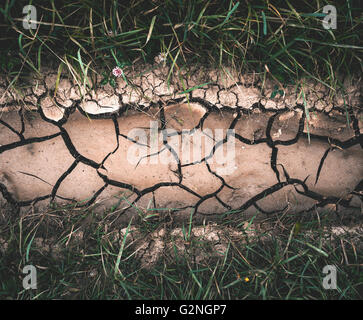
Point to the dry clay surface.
(148, 146)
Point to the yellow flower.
(247, 279)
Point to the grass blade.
(150, 29)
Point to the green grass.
(284, 40)
(280, 262)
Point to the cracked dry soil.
(70, 150)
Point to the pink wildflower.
(117, 72)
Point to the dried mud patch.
(228, 146)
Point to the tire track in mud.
(272, 155)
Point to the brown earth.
(216, 149)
